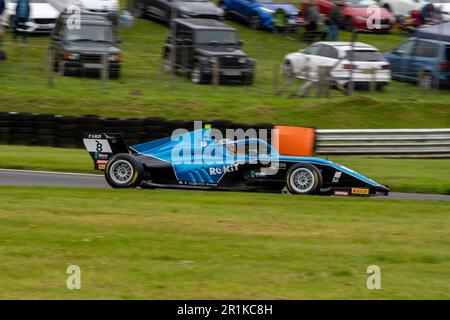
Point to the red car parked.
(357, 15)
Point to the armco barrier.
(399, 143)
(67, 131)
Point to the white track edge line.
(52, 172)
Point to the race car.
(198, 160)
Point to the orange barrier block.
(294, 141)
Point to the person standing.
(2, 53)
(311, 17)
(22, 16)
(334, 20)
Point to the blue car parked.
(422, 61)
(260, 14)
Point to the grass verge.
(204, 245)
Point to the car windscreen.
(216, 36)
(90, 33)
(364, 55)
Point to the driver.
(229, 145)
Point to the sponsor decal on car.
(101, 164)
(337, 176)
(360, 191)
(341, 193)
(224, 169)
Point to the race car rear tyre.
(303, 179)
(124, 171)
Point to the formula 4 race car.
(197, 160)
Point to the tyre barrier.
(24, 128)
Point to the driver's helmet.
(229, 145)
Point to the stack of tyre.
(132, 130)
(153, 128)
(89, 124)
(45, 131)
(22, 128)
(5, 127)
(68, 134)
(223, 125)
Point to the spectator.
(430, 15)
(2, 53)
(334, 20)
(22, 16)
(311, 17)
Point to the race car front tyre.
(124, 171)
(303, 179)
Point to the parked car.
(413, 8)
(88, 6)
(422, 61)
(201, 44)
(165, 10)
(356, 15)
(402, 7)
(42, 16)
(358, 61)
(259, 13)
(80, 51)
(443, 6)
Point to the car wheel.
(124, 171)
(426, 81)
(255, 22)
(56, 66)
(167, 63)
(288, 70)
(139, 10)
(380, 87)
(12, 21)
(248, 80)
(303, 179)
(197, 76)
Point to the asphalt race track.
(79, 180)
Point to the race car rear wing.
(102, 146)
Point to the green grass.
(407, 175)
(24, 88)
(218, 245)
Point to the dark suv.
(83, 50)
(201, 46)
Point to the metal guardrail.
(395, 143)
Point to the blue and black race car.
(198, 160)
